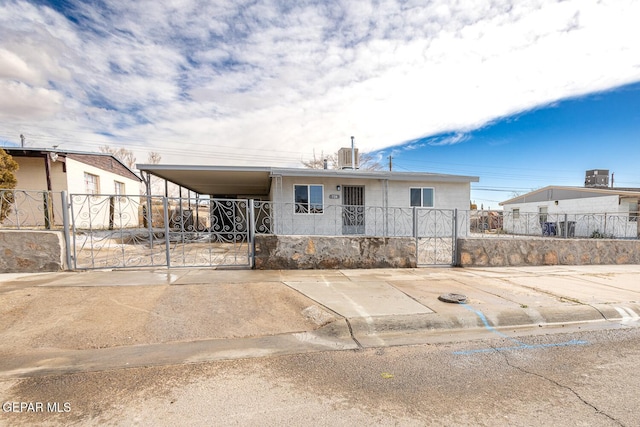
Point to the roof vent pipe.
(325, 164)
(353, 155)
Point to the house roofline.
(390, 175)
(602, 191)
(339, 173)
(65, 153)
(148, 166)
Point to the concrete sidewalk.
(68, 322)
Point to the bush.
(598, 235)
(8, 182)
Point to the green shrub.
(8, 182)
(598, 235)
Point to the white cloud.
(19, 100)
(14, 67)
(279, 81)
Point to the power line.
(279, 156)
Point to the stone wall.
(330, 252)
(40, 251)
(31, 251)
(500, 252)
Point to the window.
(422, 197)
(516, 213)
(542, 214)
(633, 212)
(91, 183)
(308, 198)
(118, 188)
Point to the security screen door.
(353, 209)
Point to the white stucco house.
(325, 201)
(576, 211)
(93, 179)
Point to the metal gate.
(435, 231)
(114, 231)
(353, 210)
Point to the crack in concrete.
(338, 315)
(353, 337)
(487, 292)
(585, 278)
(542, 291)
(558, 384)
(562, 299)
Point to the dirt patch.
(108, 316)
(93, 398)
(192, 312)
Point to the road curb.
(378, 331)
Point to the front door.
(353, 209)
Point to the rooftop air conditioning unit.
(344, 159)
(596, 178)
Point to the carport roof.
(245, 180)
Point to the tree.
(156, 185)
(8, 181)
(122, 154)
(318, 162)
(366, 161)
(154, 158)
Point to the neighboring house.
(44, 173)
(576, 211)
(325, 201)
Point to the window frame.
(92, 180)
(422, 189)
(308, 207)
(634, 209)
(119, 188)
(543, 214)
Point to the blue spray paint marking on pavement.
(488, 326)
(520, 346)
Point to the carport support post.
(198, 212)
(167, 247)
(455, 237)
(251, 244)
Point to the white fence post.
(167, 243)
(251, 252)
(67, 229)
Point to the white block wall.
(395, 220)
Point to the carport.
(225, 182)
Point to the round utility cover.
(453, 298)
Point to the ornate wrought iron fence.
(114, 231)
(564, 225)
(284, 219)
(435, 230)
(26, 209)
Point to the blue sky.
(550, 145)
(522, 94)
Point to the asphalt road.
(581, 378)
